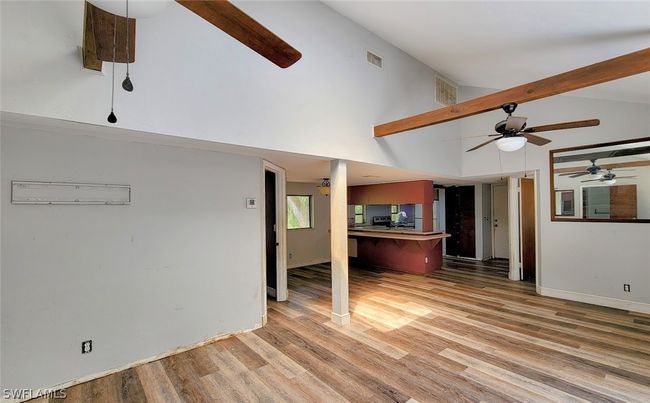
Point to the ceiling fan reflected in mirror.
(608, 178)
(594, 171)
(512, 133)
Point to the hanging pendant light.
(111, 117)
(324, 187)
(127, 84)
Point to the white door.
(500, 221)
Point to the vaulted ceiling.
(503, 44)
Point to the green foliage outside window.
(299, 212)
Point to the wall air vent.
(445, 91)
(374, 59)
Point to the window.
(299, 212)
(358, 214)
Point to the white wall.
(181, 264)
(310, 245)
(192, 80)
(592, 259)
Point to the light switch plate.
(251, 202)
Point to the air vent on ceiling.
(445, 91)
(374, 59)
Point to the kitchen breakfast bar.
(394, 226)
(409, 251)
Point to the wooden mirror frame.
(552, 180)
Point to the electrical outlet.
(86, 346)
(290, 255)
(626, 287)
(426, 259)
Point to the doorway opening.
(270, 230)
(274, 228)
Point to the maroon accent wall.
(417, 257)
(416, 192)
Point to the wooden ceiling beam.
(598, 73)
(231, 20)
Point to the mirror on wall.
(607, 182)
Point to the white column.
(339, 241)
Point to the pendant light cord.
(113, 78)
(127, 38)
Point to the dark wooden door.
(622, 202)
(460, 221)
(528, 260)
(271, 237)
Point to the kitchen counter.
(400, 249)
(398, 233)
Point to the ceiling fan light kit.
(509, 144)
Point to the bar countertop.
(403, 233)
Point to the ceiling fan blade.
(236, 23)
(563, 126)
(579, 175)
(619, 67)
(538, 141)
(515, 123)
(482, 144)
(592, 180)
(624, 177)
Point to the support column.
(339, 241)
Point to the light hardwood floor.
(456, 335)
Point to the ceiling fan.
(594, 171)
(513, 134)
(609, 178)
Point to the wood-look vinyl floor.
(498, 267)
(452, 336)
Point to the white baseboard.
(294, 265)
(150, 359)
(596, 300)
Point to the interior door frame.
(282, 292)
